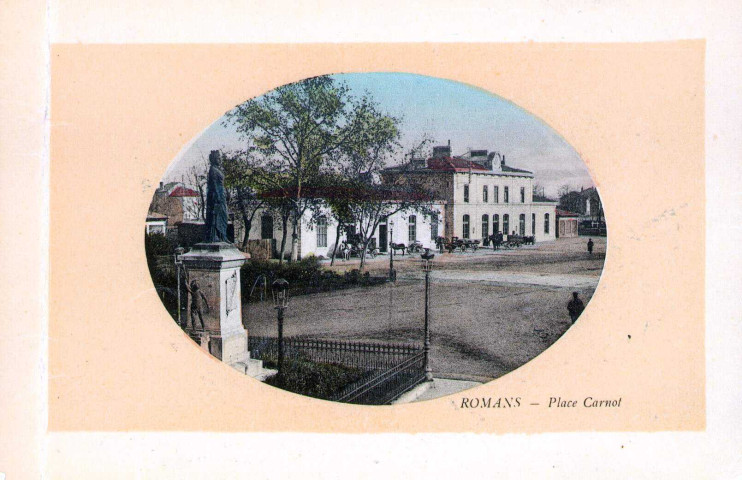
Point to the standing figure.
(198, 302)
(590, 246)
(575, 307)
(216, 201)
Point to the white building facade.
(318, 231)
(482, 196)
(490, 202)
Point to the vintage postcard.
(394, 238)
(424, 242)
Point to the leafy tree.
(297, 128)
(241, 181)
(362, 161)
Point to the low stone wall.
(260, 249)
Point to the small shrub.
(318, 380)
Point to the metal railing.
(391, 370)
(384, 386)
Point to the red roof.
(183, 192)
(454, 164)
(565, 213)
(359, 193)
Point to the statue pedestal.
(215, 267)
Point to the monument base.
(213, 271)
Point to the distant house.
(156, 223)
(176, 202)
(567, 223)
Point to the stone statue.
(198, 305)
(216, 201)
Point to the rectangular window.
(433, 226)
(496, 194)
(507, 195)
(546, 223)
(412, 228)
(484, 194)
(466, 193)
(266, 227)
(533, 224)
(322, 232)
(522, 194)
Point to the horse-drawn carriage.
(513, 241)
(353, 247)
(413, 247)
(456, 243)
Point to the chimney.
(502, 162)
(161, 184)
(442, 151)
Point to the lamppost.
(391, 251)
(280, 290)
(427, 267)
(178, 263)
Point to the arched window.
(546, 223)
(321, 232)
(465, 224)
(533, 224)
(485, 225)
(522, 221)
(266, 227)
(412, 228)
(495, 224)
(506, 224)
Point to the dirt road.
(490, 313)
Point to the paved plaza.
(491, 312)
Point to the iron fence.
(391, 370)
(366, 356)
(384, 386)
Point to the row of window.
(466, 221)
(495, 194)
(267, 226)
(411, 229)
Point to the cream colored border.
(120, 113)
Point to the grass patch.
(305, 277)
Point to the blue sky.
(469, 117)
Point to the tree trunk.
(337, 239)
(284, 225)
(248, 226)
(294, 240)
(363, 254)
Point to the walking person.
(590, 246)
(575, 307)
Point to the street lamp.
(178, 263)
(427, 267)
(280, 290)
(391, 251)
